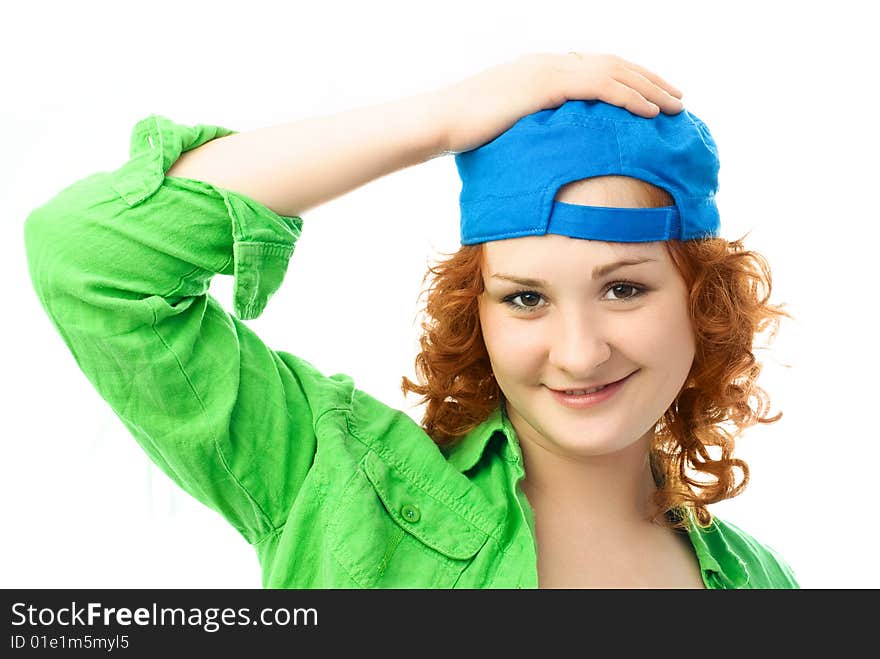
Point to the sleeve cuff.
(262, 240)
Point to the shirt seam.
(274, 532)
(269, 248)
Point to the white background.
(788, 90)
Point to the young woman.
(519, 476)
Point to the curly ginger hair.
(729, 290)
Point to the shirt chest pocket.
(386, 532)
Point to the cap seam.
(539, 190)
(569, 120)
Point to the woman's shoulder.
(749, 562)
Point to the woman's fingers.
(618, 81)
(622, 95)
(477, 109)
(654, 94)
(653, 77)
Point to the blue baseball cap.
(509, 184)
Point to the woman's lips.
(581, 401)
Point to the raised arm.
(296, 166)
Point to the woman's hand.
(479, 108)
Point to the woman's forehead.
(552, 247)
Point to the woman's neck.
(609, 491)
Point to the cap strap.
(626, 225)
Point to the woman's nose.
(579, 347)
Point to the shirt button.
(410, 512)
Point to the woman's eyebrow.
(598, 271)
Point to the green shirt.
(331, 487)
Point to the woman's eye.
(529, 299)
(525, 301)
(624, 291)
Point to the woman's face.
(583, 325)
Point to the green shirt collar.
(467, 451)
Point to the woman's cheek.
(524, 348)
(512, 343)
(664, 334)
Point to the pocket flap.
(422, 515)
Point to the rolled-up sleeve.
(121, 262)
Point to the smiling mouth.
(576, 400)
(593, 389)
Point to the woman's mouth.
(582, 398)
